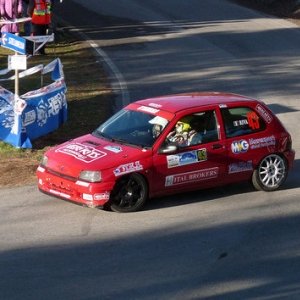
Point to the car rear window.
(241, 120)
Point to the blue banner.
(37, 113)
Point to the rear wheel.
(129, 194)
(270, 174)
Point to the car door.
(198, 163)
(246, 140)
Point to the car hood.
(92, 153)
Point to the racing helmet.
(183, 125)
(159, 123)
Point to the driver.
(180, 134)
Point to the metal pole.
(16, 81)
(16, 129)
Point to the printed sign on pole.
(13, 42)
(17, 62)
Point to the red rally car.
(167, 145)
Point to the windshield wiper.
(103, 135)
(119, 140)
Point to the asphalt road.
(229, 243)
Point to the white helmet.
(159, 124)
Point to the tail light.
(287, 143)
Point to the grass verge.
(89, 103)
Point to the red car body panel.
(204, 165)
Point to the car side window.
(195, 129)
(241, 120)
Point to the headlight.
(90, 176)
(44, 161)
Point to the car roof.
(178, 102)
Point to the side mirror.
(168, 149)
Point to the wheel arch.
(257, 162)
(126, 176)
(117, 200)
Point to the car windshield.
(132, 127)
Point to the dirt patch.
(17, 171)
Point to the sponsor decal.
(239, 146)
(81, 152)
(262, 142)
(30, 117)
(194, 176)
(82, 183)
(113, 148)
(46, 109)
(128, 168)
(60, 194)
(148, 109)
(102, 196)
(222, 105)
(181, 159)
(173, 161)
(241, 166)
(155, 105)
(265, 115)
(253, 120)
(87, 197)
(186, 158)
(240, 122)
(201, 154)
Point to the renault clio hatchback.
(170, 144)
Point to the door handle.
(217, 146)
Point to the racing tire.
(129, 194)
(270, 173)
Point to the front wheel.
(270, 174)
(129, 194)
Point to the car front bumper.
(94, 194)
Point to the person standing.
(27, 25)
(10, 10)
(40, 13)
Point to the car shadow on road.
(279, 108)
(292, 182)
